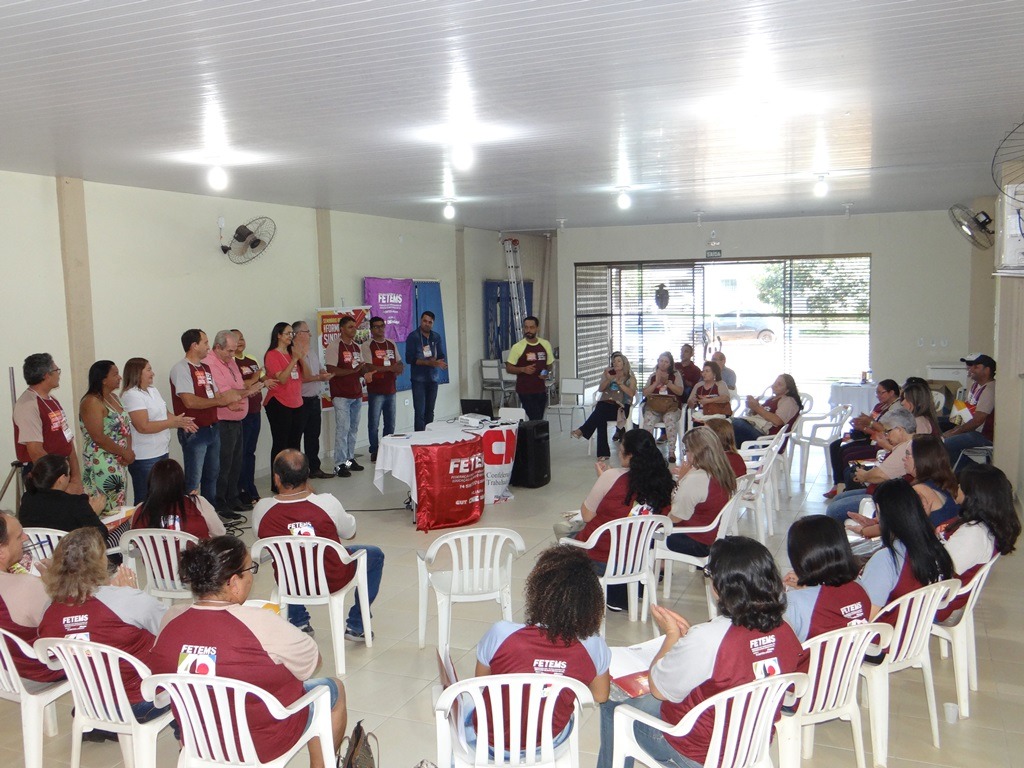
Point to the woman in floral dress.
(106, 436)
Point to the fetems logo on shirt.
(197, 660)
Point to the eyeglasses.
(253, 569)
(296, 333)
(890, 431)
(54, 370)
(706, 571)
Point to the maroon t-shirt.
(382, 382)
(706, 512)
(193, 522)
(612, 507)
(349, 356)
(247, 366)
(202, 386)
(304, 518)
(52, 416)
(839, 607)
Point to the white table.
(861, 396)
(497, 444)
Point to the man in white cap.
(977, 431)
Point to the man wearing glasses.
(383, 367)
(40, 424)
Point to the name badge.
(295, 372)
(663, 391)
(206, 383)
(65, 426)
(530, 357)
(387, 362)
(427, 351)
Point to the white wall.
(31, 292)
(920, 272)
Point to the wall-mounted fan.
(250, 240)
(1008, 165)
(973, 226)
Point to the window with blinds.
(806, 315)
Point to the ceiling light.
(449, 210)
(624, 199)
(462, 156)
(821, 186)
(217, 178)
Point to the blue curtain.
(498, 332)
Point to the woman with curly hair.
(564, 611)
(747, 641)
(773, 414)
(706, 483)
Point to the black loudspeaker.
(532, 467)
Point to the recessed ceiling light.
(449, 210)
(624, 200)
(821, 187)
(217, 178)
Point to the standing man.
(40, 424)
(313, 378)
(687, 369)
(227, 378)
(424, 351)
(728, 374)
(529, 359)
(347, 396)
(297, 511)
(194, 393)
(979, 430)
(383, 366)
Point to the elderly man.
(313, 377)
(901, 427)
(529, 359)
(228, 378)
(297, 511)
(194, 393)
(728, 374)
(22, 600)
(978, 431)
(40, 424)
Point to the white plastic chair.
(722, 524)
(742, 730)
(525, 703)
(762, 458)
(569, 388)
(301, 579)
(833, 668)
(214, 721)
(817, 432)
(476, 566)
(806, 402)
(512, 414)
(938, 400)
(41, 541)
(160, 551)
(633, 412)
(961, 637)
(38, 707)
(94, 674)
(629, 554)
(914, 614)
(491, 380)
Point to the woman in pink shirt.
(284, 402)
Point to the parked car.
(738, 324)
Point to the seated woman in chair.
(47, 503)
(858, 443)
(564, 611)
(617, 388)
(710, 395)
(767, 418)
(696, 662)
(643, 485)
(245, 643)
(727, 437)
(168, 506)
(88, 604)
(661, 400)
(823, 591)
(706, 483)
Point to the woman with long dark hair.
(773, 414)
(911, 556)
(283, 403)
(917, 398)
(564, 611)
(171, 507)
(858, 442)
(106, 436)
(246, 643)
(47, 503)
(699, 661)
(661, 400)
(706, 483)
(823, 590)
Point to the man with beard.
(529, 359)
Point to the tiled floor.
(389, 686)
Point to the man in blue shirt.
(424, 352)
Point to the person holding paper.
(978, 430)
(747, 641)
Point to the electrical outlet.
(407, 401)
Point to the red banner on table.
(449, 484)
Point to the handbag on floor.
(359, 753)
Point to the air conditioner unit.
(1010, 220)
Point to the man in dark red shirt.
(383, 365)
(687, 369)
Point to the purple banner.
(392, 300)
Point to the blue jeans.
(957, 443)
(139, 470)
(346, 424)
(201, 452)
(745, 431)
(844, 503)
(299, 616)
(250, 437)
(379, 404)
(649, 739)
(424, 395)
